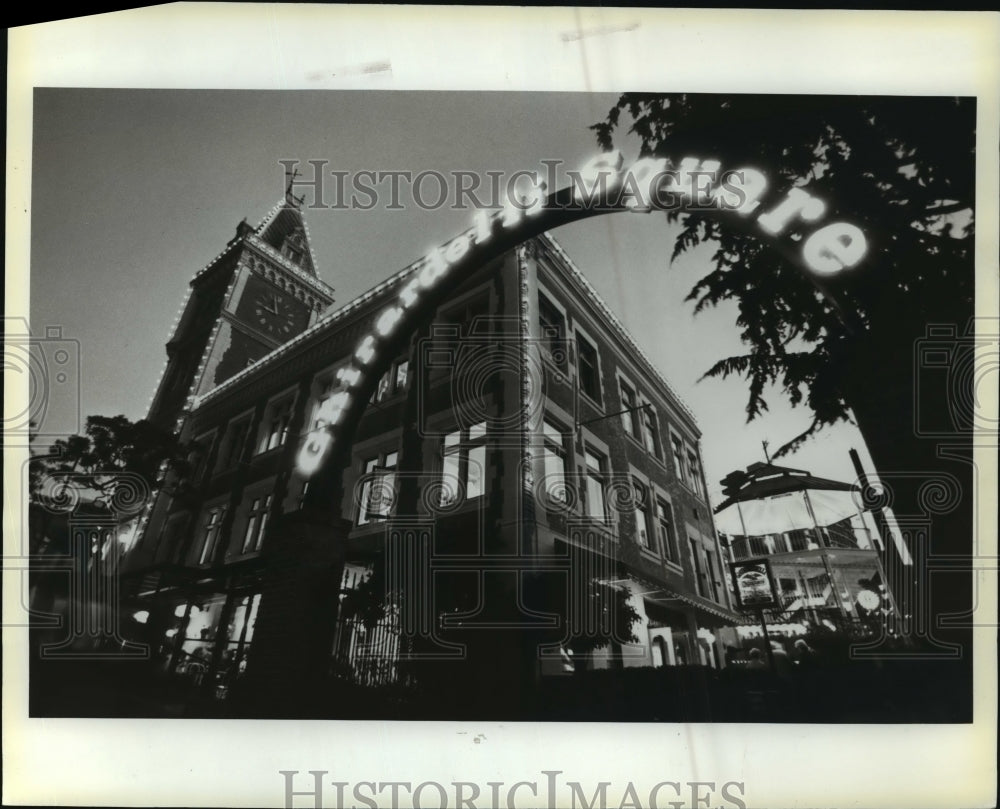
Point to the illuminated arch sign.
(602, 186)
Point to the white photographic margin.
(275, 46)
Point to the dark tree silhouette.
(903, 170)
(109, 447)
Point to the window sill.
(468, 504)
(673, 566)
(595, 403)
(241, 556)
(604, 525)
(395, 398)
(265, 453)
(373, 525)
(642, 445)
(561, 368)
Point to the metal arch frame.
(495, 233)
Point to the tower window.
(291, 253)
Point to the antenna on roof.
(289, 196)
(766, 456)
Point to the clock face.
(869, 599)
(274, 313)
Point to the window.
(256, 523)
(447, 352)
(679, 459)
(590, 377)
(694, 470)
(465, 315)
(212, 527)
(650, 434)
(274, 429)
(198, 458)
(595, 486)
(642, 536)
(464, 463)
(236, 442)
(700, 577)
(741, 547)
(384, 386)
(665, 528)
(799, 539)
(393, 381)
(554, 463)
(630, 418)
(402, 374)
(553, 328)
(714, 577)
(377, 490)
(325, 385)
(293, 247)
(291, 253)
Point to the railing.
(368, 654)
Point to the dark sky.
(136, 190)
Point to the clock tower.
(258, 293)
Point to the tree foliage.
(109, 447)
(902, 169)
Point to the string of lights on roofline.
(332, 317)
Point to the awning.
(771, 499)
(699, 604)
(788, 511)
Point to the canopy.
(770, 499)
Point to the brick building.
(521, 444)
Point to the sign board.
(754, 582)
(603, 185)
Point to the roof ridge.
(323, 322)
(271, 216)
